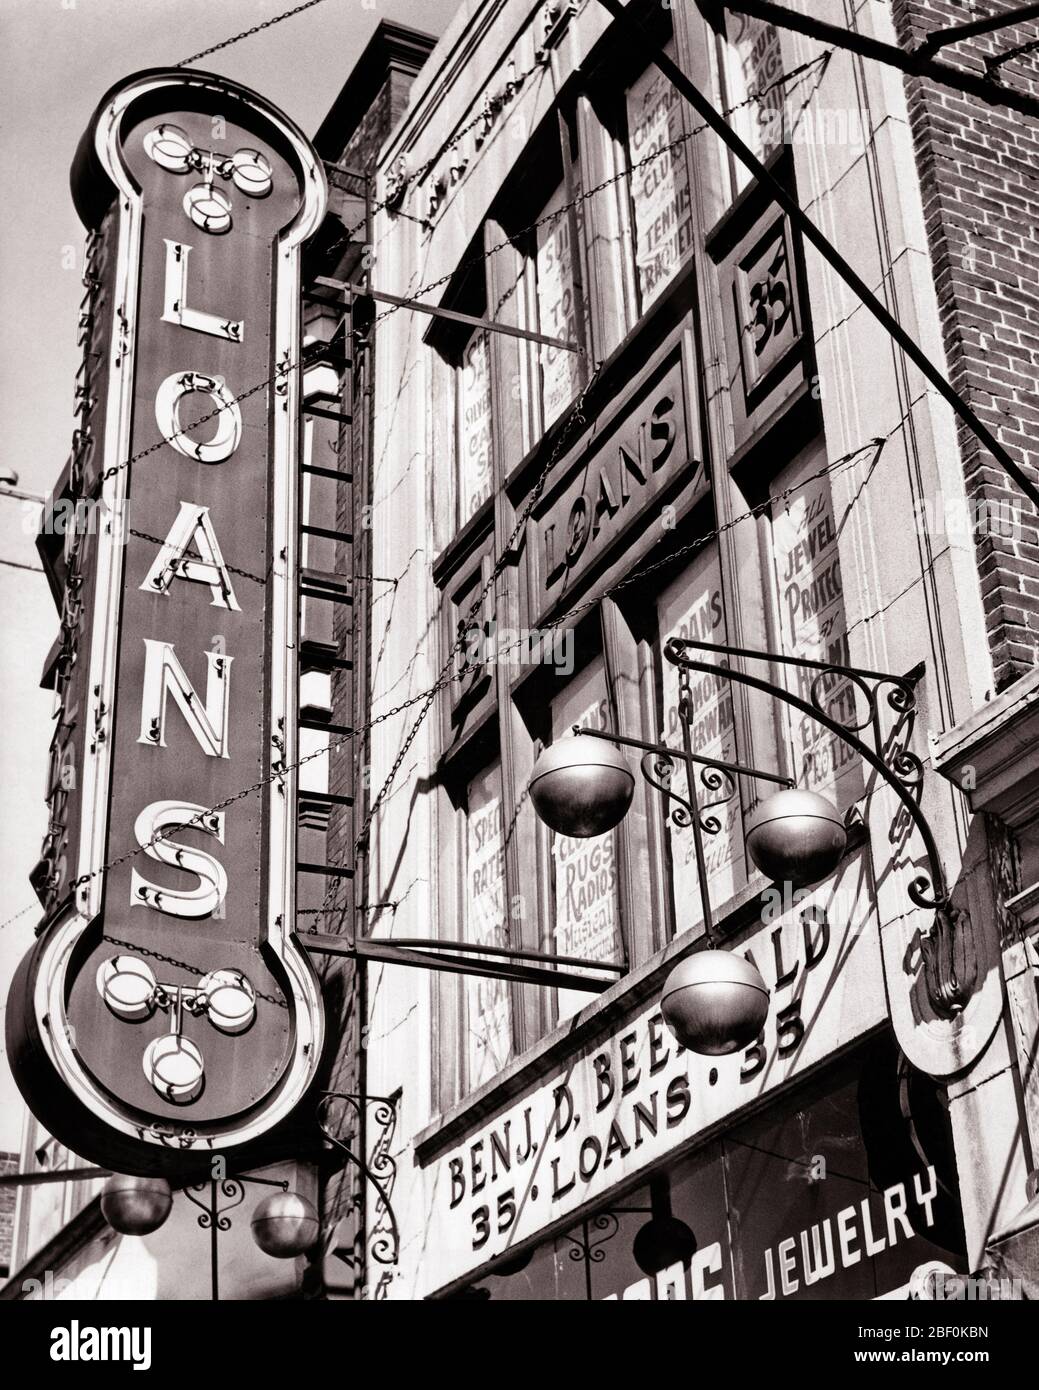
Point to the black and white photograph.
(519, 692)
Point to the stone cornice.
(993, 755)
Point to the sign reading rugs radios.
(165, 1013)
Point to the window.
(691, 606)
(660, 193)
(556, 291)
(460, 418)
(577, 268)
(586, 899)
(812, 623)
(488, 1014)
(749, 61)
(473, 413)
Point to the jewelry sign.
(165, 1013)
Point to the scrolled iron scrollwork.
(380, 1171)
(715, 779)
(906, 766)
(829, 675)
(583, 1248)
(890, 756)
(230, 1188)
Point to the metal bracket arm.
(903, 777)
(449, 958)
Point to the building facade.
(576, 389)
(728, 448)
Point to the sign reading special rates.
(165, 1012)
(634, 1097)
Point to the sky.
(59, 58)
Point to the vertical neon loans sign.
(165, 1013)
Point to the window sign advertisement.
(474, 426)
(660, 194)
(587, 900)
(557, 315)
(754, 64)
(692, 607)
(812, 624)
(488, 1013)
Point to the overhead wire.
(248, 33)
(448, 674)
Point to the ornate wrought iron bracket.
(889, 756)
(949, 973)
(659, 764)
(214, 1218)
(379, 1173)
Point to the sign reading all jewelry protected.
(165, 1012)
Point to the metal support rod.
(806, 226)
(456, 316)
(366, 948)
(61, 1175)
(214, 1217)
(214, 1241)
(956, 33)
(924, 893)
(685, 701)
(717, 763)
(914, 62)
(508, 952)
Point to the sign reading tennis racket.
(165, 1013)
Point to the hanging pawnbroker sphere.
(581, 786)
(796, 837)
(714, 1002)
(662, 1242)
(135, 1206)
(284, 1225)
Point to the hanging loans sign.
(165, 1012)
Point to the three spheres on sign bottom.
(714, 1002)
(284, 1224)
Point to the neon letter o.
(228, 422)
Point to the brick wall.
(979, 171)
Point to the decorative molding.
(993, 754)
(552, 21)
(950, 961)
(431, 183)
